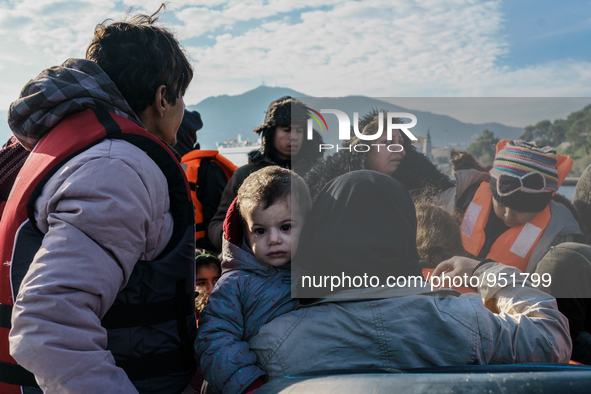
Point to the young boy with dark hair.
(98, 236)
(261, 230)
(148, 67)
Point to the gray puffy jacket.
(417, 327)
(248, 295)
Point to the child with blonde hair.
(438, 235)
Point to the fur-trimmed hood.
(284, 111)
(415, 171)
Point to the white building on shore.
(236, 150)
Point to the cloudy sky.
(380, 48)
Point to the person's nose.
(509, 214)
(274, 237)
(209, 287)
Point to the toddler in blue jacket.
(261, 234)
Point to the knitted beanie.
(283, 112)
(524, 176)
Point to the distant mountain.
(224, 117)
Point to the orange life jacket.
(191, 163)
(515, 246)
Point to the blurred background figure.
(208, 173)
(438, 235)
(208, 271)
(12, 157)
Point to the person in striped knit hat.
(512, 215)
(523, 179)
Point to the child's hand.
(456, 266)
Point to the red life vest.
(191, 162)
(20, 238)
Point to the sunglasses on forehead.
(533, 182)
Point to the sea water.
(567, 191)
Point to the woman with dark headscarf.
(408, 166)
(346, 237)
(363, 225)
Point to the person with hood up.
(408, 166)
(208, 173)
(284, 144)
(364, 222)
(261, 232)
(97, 244)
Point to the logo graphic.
(345, 124)
(316, 119)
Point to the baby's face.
(274, 233)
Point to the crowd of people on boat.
(134, 261)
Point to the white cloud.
(319, 47)
(152, 5)
(374, 48)
(57, 28)
(201, 19)
(37, 34)
(564, 78)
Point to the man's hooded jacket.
(111, 223)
